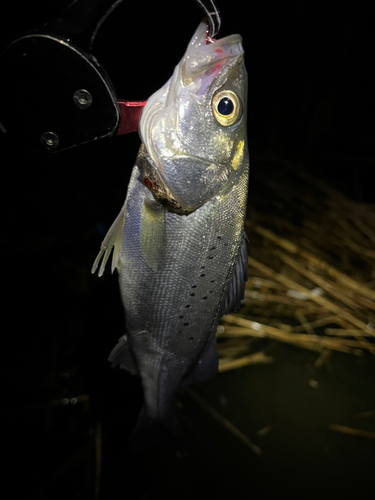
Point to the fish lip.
(201, 39)
(233, 39)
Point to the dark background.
(311, 100)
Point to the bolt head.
(82, 99)
(49, 140)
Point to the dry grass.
(311, 273)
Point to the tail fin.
(150, 431)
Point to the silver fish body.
(179, 244)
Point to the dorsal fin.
(112, 240)
(236, 286)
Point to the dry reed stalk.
(324, 266)
(362, 301)
(259, 357)
(280, 299)
(233, 348)
(327, 286)
(365, 414)
(343, 345)
(247, 332)
(346, 229)
(353, 432)
(257, 282)
(320, 300)
(365, 252)
(224, 422)
(237, 331)
(365, 229)
(323, 358)
(348, 332)
(306, 325)
(317, 323)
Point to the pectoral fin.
(153, 233)
(112, 240)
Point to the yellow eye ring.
(226, 107)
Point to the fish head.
(194, 127)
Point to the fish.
(178, 243)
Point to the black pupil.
(225, 106)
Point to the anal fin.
(122, 356)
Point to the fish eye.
(226, 107)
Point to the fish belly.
(173, 284)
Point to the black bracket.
(53, 93)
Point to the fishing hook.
(213, 16)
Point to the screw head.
(49, 140)
(82, 99)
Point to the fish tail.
(150, 431)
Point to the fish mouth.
(205, 57)
(204, 60)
